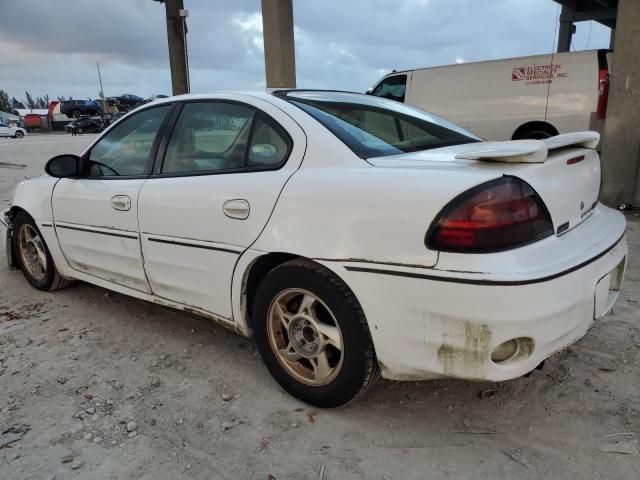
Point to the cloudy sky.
(51, 47)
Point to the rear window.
(374, 127)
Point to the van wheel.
(33, 256)
(535, 131)
(536, 135)
(312, 335)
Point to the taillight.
(497, 215)
(603, 93)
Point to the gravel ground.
(98, 385)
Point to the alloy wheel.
(32, 253)
(305, 337)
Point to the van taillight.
(497, 215)
(603, 93)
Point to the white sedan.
(349, 235)
(7, 130)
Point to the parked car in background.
(7, 130)
(154, 97)
(284, 215)
(76, 108)
(517, 98)
(127, 100)
(85, 125)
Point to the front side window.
(392, 88)
(218, 136)
(373, 127)
(126, 148)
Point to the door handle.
(121, 202)
(237, 208)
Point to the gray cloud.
(339, 44)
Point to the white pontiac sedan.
(349, 235)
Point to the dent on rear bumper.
(425, 327)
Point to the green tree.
(5, 102)
(15, 103)
(29, 101)
(42, 102)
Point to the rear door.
(96, 215)
(221, 173)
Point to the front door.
(96, 215)
(222, 171)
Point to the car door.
(96, 215)
(215, 184)
(5, 130)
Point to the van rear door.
(573, 91)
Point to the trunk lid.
(564, 170)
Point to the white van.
(526, 97)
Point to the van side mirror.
(63, 166)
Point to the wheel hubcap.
(31, 251)
(305, 337)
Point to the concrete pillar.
(177, 47)
(612, 39)
(279, 50)
(621, 142)
(566, 29)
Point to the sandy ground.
(78, 366)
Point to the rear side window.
(222, 136)
(392, 88)
(268, 146)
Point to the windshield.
(376, 127)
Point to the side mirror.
(369, 92)
(264, 151)
(63, 166)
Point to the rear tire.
(76, 114)
(33, 256)
(312, 335)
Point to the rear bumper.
(427, 323)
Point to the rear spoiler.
(529, 151)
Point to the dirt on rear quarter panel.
(465, 349)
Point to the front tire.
(19, 134)
(33, 256)
(312, 335)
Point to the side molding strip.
(194, 245)
(90, 230)
(491, 283)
